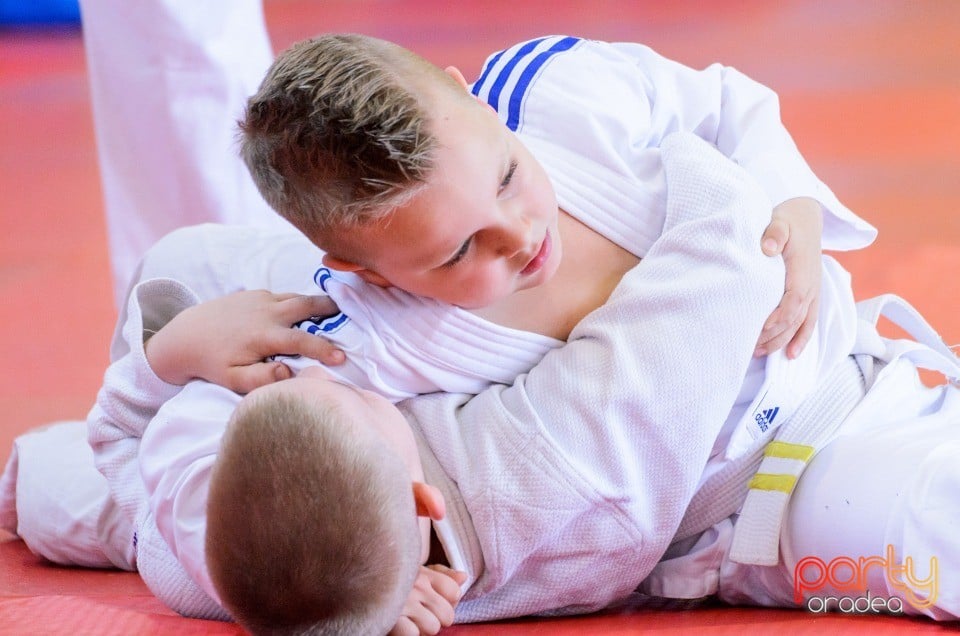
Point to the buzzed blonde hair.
(337, 134)
(311, 526)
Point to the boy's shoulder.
(509, 75)
(556, 81)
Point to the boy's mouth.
(539, 258)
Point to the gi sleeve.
(206, 257)
(566, 487)
(132, 393)
(742, 118)
(176, 460)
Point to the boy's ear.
(429, 501)
(367, 275)
(457, 76)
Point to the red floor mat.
(869, 90)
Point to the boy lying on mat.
(179, 446)
(693, 167)
(173, 257)
(474, 139)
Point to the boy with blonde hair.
(361, 168)
(504, 237)
(395, 170)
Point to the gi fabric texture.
(620, 188)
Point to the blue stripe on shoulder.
(494, 97)
(519, 91)
(475, 89)
(520, 52)
(521, 56)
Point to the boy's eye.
(456, 258)
(508, 176)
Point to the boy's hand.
(795, 231)
(429, 608)
(226, 340)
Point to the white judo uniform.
(614, 438)
(562, 475)
(609, 177)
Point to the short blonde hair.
(311, 527)
(337, 134)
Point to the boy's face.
(483, 227)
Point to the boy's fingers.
(404, 627)
(787, 315)
(297, 342)
(799, 341)
(457, 575)
(775, 237)
(247, 378)
(796, 346)
(440, 612)
(773, 344)
(444, 584)
(424, 620)
(783, 323)
(279, 371)
(297, 308)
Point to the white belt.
(756, 535)
(756, 538)
(760, 485)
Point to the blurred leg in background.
(168, 81)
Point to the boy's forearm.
(175, 463)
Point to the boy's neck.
(590, 268)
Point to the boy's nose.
(514, 237)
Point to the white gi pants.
(168, 81)
(53, 497)
(877, 509)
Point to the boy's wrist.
(163, 359)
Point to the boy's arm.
(742, 118)
(175, 463)
(132, 393)
(170, 337)
(229, 340)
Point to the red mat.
(869, 90)
(38, 598)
